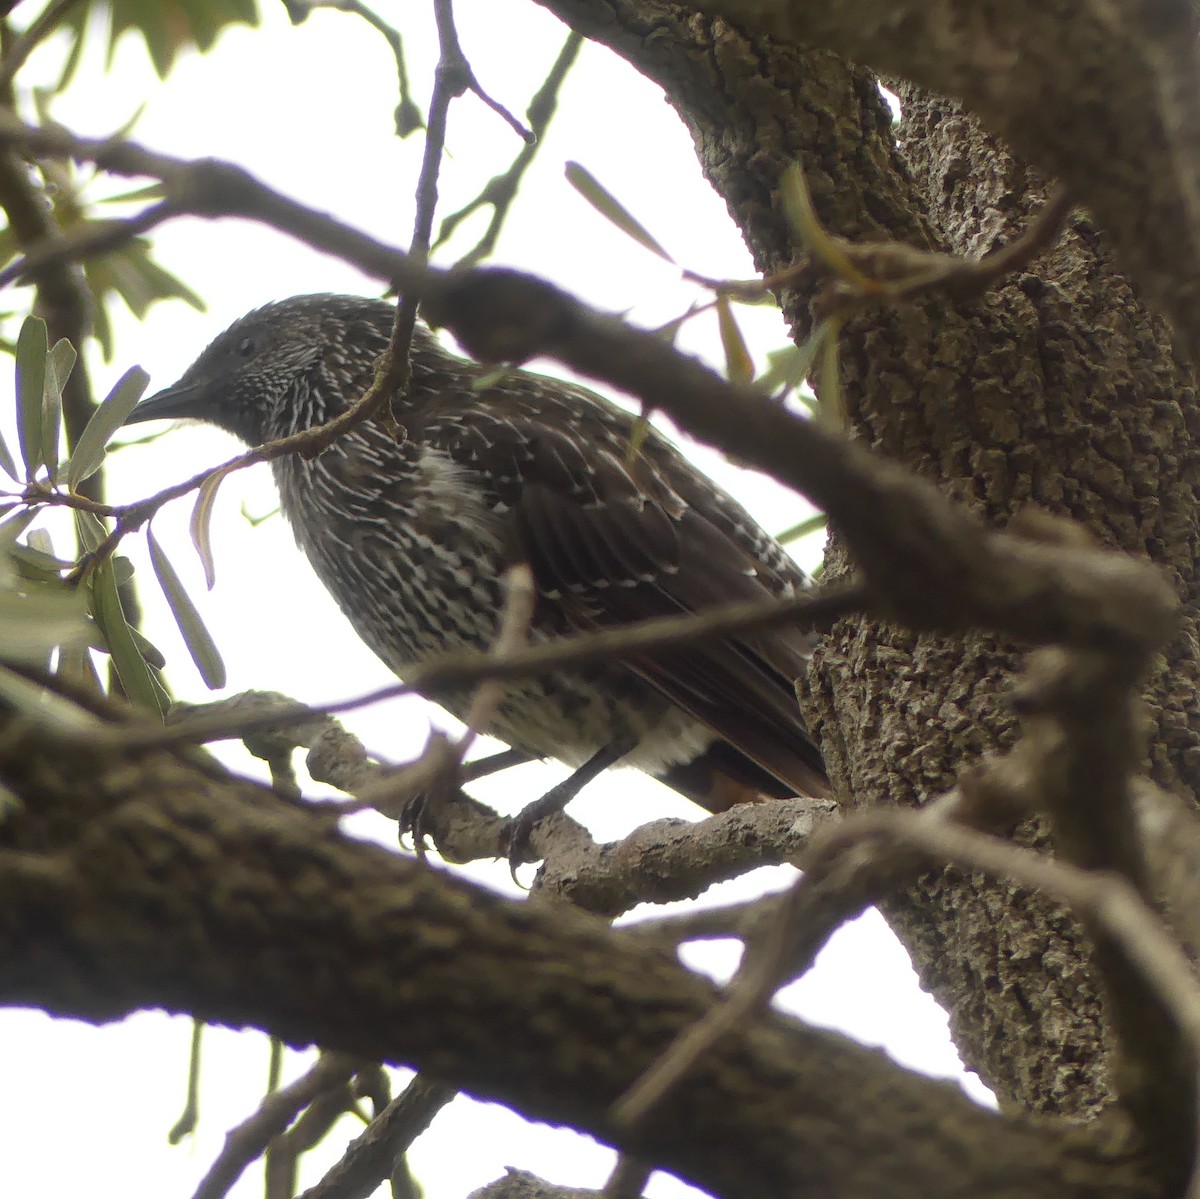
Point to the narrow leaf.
(195, 636)
(42, 705)
(790, 366)
(809, 525)
(639, 433)
(106, 420)
(150, 191)
(59, 364)
(90, 529)
(609, 207)
(200, 525)
(34, 562)
(670, 330)
(738, 364)
(802, 216)
(7, 463)
(13, 526)
(33, 625)
(829, 384)
(52, 405)
(135, 676)
(32, 349)
(153, 655)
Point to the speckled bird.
(412, 537)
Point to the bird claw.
(515, 838)
(414, 821)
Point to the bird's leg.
(417, 816)
(480, 768)
(556, 799)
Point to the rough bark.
(134, 877)
(197, 893)
(1058, 388)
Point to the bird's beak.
(172, 403)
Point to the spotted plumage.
(411, 537)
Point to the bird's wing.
(611, 540)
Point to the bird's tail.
(723, 776)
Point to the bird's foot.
(518, 831)
(417, 822)
(422, 816)
(520, 828)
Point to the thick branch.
(214, 899)
(1120, 75)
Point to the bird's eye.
(246, 347)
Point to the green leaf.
(810, 525)
(670, 331)
(802, 216)
(150, 191)
(132, 274)
(14, 525)
(200, 522)
(167, 27)
(90, 529)
(153, 655)
(132, 670)
(255, 520)
(37, 564)
(42, 705)
(106, 420)
(738, 364)
(76, 665)
(608, 206)
(789, 366)
(33, 625)
(195, 636)
(76, 51)
(32, 349)
(639, 433)
(59, 363)
(7, 464)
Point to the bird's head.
(282, 368)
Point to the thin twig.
(408, 116)
(248, 1141)
(628, 1178)
(501, 190)
(369, 1159)
(437, 770)
(451, 79)
(459, 669)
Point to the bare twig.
(435, 774)
(501, 190)
(249, 1140)
(408, 115)
(370, 1158)
(451, 79)
(628, 1178)
(459, 669)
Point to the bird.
(412, 525)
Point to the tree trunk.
(1057, 389)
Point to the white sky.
(308, 109)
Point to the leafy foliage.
(168, 27)
(128, 272)
(62, 606)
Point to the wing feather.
(628, 537)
